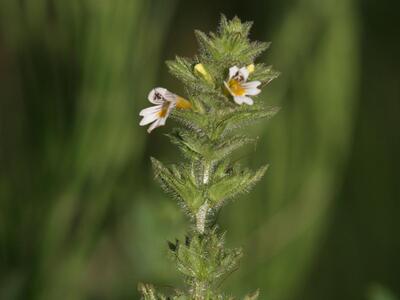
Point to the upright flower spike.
(207, 176)
(238, 86)
(165, 102)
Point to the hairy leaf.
(234, 184)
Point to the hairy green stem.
(201, 217)
(199, 291)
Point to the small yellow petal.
(201, 70)
(251, 68)
(182, 103)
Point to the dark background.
(80, 214)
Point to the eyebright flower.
(238, 86)
(165, 102)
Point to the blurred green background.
(80, 214)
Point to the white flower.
(165, 102)
(238, 86)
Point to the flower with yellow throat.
(238, 86)
(165, 102)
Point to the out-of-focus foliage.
(75, 71)
(80, 216)
(308, 146)
(378, 292)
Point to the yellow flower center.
(236, 87)
(164, 109)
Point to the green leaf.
(191, 120)
(263, 73)
(229, 145)
(191, 144)
(182, 69)
(244, 116)
(205, 258)
(207, 46)
(234, 26)
(232, 185)
(255, 49)
(179, 185)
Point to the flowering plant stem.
(221, 84)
